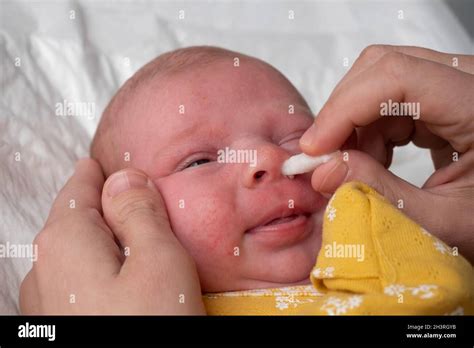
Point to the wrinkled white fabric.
(82, 51)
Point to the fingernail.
(308, 137)
(125, 180)
(335, 176)
(326, 195)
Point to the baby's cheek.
(203, 224)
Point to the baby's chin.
(293, 269)
(288, 266)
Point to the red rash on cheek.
(215, 243)
(218, 227)
(206, 226)
(214, 229)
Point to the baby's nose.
(267, 167)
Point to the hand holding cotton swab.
(303, 163)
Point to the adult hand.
(443, 85)
(81, 268)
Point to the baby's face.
(245, 226)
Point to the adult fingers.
(81, 192)
(136, 213)
(442, 94)
(371, 54)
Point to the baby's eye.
(290, 140)
(295, 136)
(197, 163)
(291, 143)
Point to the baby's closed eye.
(290, 143)
(197, 163)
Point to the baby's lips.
(278, 213)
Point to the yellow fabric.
(373, 260)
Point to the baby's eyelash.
(292, 137)
(199, 160)
(196, 161)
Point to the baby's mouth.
(283, 220)
(281, 224)
(283, 230)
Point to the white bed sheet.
(86, 58)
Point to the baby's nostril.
(259, 174)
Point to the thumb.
(354, 165)
(134, 210)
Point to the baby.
(212, 129)
(171, 119)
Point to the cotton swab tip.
(302, 163)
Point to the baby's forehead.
(219, 73)
(219, 90)
(220, 83)
(217, 94)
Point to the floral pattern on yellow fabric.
(373, 260)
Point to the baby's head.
(182, 119)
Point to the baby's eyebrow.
(191, 130)
(203, 130)
(175, 145)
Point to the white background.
(87, 58)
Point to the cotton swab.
(302, 163)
